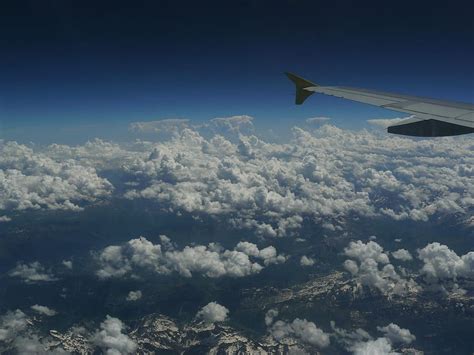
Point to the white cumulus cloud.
(213, 312)
(134, 295)
(111, 338)
(300, 329)
(374, 269)
(306, 261)
(402, 254)
(32, 273)
(441, 263)
(211, 260)
(44, 310)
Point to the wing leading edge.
(429, 117)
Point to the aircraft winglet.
(301, 84)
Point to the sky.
(82, 68)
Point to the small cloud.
(67, 264)
(402, 254)
(318, 120)
(387, 122)
(301, 329)
(169, 125)
(112, 339)
(213, 312)
(232, 124)
(11, 324)
(134, 295)
(32, 272)
(5, 219)
(44, 310)
(395, 334)
(306, 261)
(270, 316)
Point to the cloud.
(233, 124)
(362, 251)
(12, 323)
(211, 260)
(306, 261)
(441, 263)
(369, 273)
(269, 188)
(213, 312)
(44, 310)
(32, 273)
(301, 329)
(269, 254)
(32, 180)
(402, 254)
(270, 316)
(396, 334)
(361, 342)
(273, 188)
(5, 219)
(33, 345)
(134, 295)
(380, 346)
(317, 120)
(387, 122)
(169, 125)
(67, 264)
(111, 338)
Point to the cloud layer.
(326, 176)
(211, 260)
(32, 180)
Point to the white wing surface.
(430, 117)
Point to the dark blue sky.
(77, 62)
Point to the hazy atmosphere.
(161, 193)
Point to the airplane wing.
(429, 117)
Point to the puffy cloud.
(306, 331)
(32, 272)
(396, 334)
(232, 124)
(306, 261)
(11, 324)
(402, 254)
(111, 338)
(380, 346)
(349, 338)
(351, 266)
(269, 254)
(385, 278)
(270, 316)
(267, 187)
(361, 251)
(44, 310)
(134, 295)
(33, 180)
(211, 261)
(361, 342)
(169, 125)
(441, 263)
(213, 312)
(5, 219)
(270, 188)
